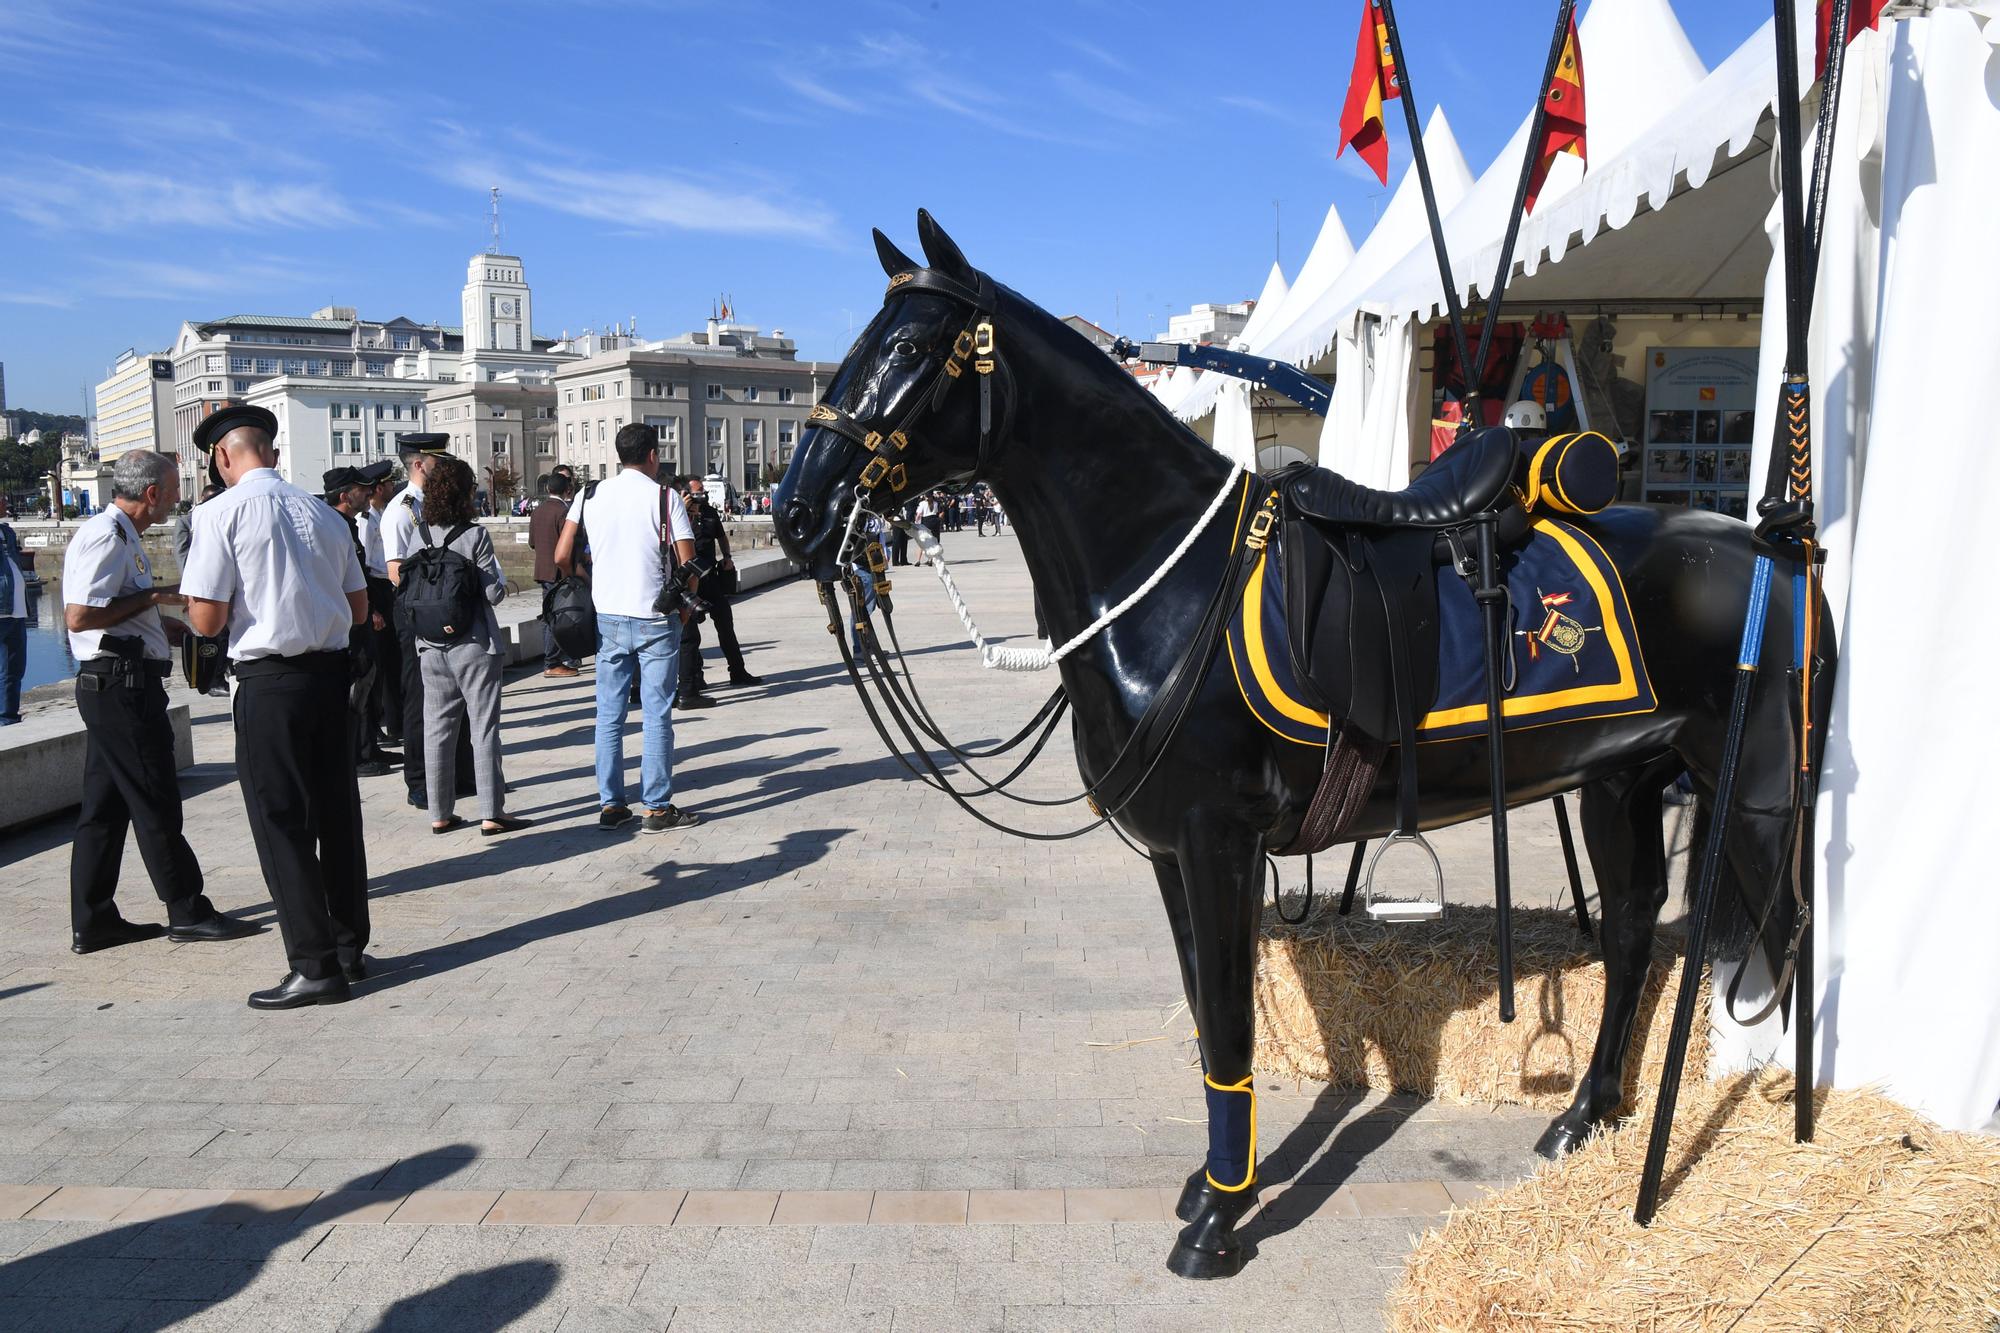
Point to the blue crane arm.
(1315, 395)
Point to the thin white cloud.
(69, 196)
(640, 201)
(814, 91)
(154, 279)
(55, 300)
(1102, 100)
(1099, 54)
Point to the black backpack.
(570, 617)
(441, 589)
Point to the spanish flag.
(1372, 83)
(1562, 123)
(1860, 14)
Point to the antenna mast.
(493, 220)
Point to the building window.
(267, 365)
(787, 433)
(714, 393)
(600, 432)
(239, 365)
(212, 362)
(241, 386)
(569, 442)
(784, 395)
(749, 393)
(295, 366)
(718, 434)
(669, 429)
(618, 389)
(593, 393)
(400, 341)
(378, 368)
(545, 445)
(344, 369)
(315, 367)
(569, 395)
(215, 386)
(500, 443)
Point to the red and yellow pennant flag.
(1562, 123)
(1860, 14)
(1373, 82)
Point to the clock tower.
(495, 306)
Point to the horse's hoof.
(1203, 1265)
(1559, 1140)
(1195, 1195)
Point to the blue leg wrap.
(1232, 1134)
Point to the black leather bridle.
(974, 349)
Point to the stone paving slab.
(839, 1057)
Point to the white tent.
(1639, 71)
(1305, 329)
(1235, 431)
(1909, 917)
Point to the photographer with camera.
(643, 582)
(718, 574)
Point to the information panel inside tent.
(1701, 408)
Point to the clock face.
(506, 307)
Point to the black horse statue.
(1102, 484)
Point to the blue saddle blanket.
(1573, 647)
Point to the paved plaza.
(838, 1058)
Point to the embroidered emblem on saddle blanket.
(1573, 653)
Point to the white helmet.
(1526, 414)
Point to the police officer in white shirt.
(399, 540)
(130, 777)
(631, 517)
(278, 568)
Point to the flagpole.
(1477, 371)
(1407, 95)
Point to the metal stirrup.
(1404, 909)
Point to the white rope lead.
(996, 656)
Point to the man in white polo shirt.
(631, 520)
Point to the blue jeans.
(650, 648)
(13, 665)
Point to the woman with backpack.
(452, 583)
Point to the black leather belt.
(108, 666)
(317, 664)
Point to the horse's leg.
(1221, 870)
(1621, 830)
(1173, 896)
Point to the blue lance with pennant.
(1573, 647)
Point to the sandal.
(503, 824)
(451, 825)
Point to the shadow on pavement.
(1315, 1174)
(671, 885)
(489, 1299)
(119, 1265)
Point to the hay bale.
(1884, 1221)
(1358, 1003)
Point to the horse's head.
(903, 413)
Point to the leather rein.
(975, 346)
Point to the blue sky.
(198, 158)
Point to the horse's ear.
(894, 261)
(940, 249)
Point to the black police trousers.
(295, 761)
(693, 681)
(414, 768)
(130, 780)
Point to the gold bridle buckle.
(982, 340)
(1261, 524)
(871, 476)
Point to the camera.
(676, 595)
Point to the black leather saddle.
(1467, 480)
(1361, 569)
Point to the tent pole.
(1408, 97)
(1477, 369)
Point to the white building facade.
(506, 431)
(346, 422)
(726, 402)
(135, 405)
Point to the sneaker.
(614, 817)
(673, 817)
